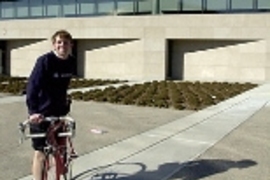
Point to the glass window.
(36, 8)
(52, 8)
(192, 5)
(216, 4)
(125, 6)
(69, 7)
(86, 7)
(242, 4)
(263, 4)
(22, 8)
(145, 6)
(8, 10)
(105, 6)
(170, 5)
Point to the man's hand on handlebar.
(36, 118)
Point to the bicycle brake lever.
(22, 130)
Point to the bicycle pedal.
(74, 156)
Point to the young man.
(46, 93)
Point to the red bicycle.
(59, 151)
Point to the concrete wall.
(112, 58)
(209, 60)
(223, 47)
(23, 54)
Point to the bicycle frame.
(58, 138)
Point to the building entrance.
(3, 64)
(75, 54)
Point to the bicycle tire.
(68, 173)
(50, 171)
(59, 163)
(67, 162)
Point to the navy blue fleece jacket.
(46, 91)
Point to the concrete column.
(154, 66)
(1, 62)
(267, 61)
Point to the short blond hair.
(62, 34)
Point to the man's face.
(62, 47)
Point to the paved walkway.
(205, 144)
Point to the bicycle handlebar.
(68, 119)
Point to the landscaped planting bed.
(162, 94)
(12, 85)
(167, 94)
(17, 85)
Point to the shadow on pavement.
(107, 173)
(193, 170)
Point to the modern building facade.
(205, 40)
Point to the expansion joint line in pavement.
(179, 132)
(197, 155)
(121, 160)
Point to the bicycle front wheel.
(50, 171)
(68, 156)
(68, 174)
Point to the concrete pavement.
(169, 151)
(242, 154)
(208, 144)
(119, 121)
